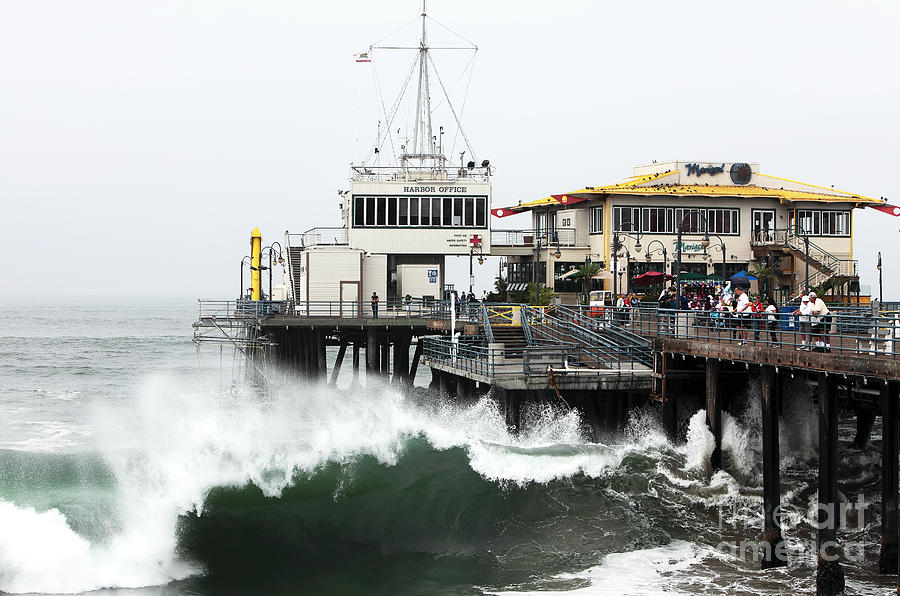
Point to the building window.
(596, 220)
(403, 211)
(690, 221)
(626, 219)
(835, 223)
(724, 221)
(809, 222)
(392, 211)
(435, 212)
(414, 210)
(570, 283)
(654, 220)
(359, 211)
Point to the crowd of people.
(734, 309)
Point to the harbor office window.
(431, 212)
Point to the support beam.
(355, 380)
(444, 381)
(865, 419)
(385, 368)
(321, 358)
(774, 554)
(887, 561)
(670, 416)
(463, 388)
(714, 409)
(829, 575)
(397, 372)
(512, 402)
(371, 354)
(415, 363)
(338, 361)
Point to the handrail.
(290, 267)
(526, 325)
(337, 309)
(320, 237)
(862, 332)
(542, 237)
(486, 323)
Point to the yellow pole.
(255, 250)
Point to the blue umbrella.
(743, 274)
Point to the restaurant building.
(716, 218)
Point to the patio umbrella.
(744, 274)
(650, 278)
(739, 281)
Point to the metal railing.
(859, 333)
(534, 238)
(486, 323)
(531, 361)
(318, 237)
(346, 309)
(419, 174)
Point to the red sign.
(475, 241)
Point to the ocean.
(132, 464)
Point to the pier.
(605, 362)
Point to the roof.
(656, 185)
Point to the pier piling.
(336, 370)
(355, 380)
(713, 409)
(371, 353)
(887, 560)
(773, 553)
(829, 575)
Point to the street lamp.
(720, 248)
(279, 258)
(244, 260)
(480, 262)
(616, 246)
(662, 248)
(880, 296)
(704, 242)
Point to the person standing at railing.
(821, 318)
(374, 305)
(742, 313)
(805, 311)
(407, 301)
(772, 322)
(758, 321)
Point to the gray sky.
(141, 142)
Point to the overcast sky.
(140, 142)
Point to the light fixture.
(647, 257)
(705, 241)
(481, 260)
(557, 254)
(280, 261)
(637, 246)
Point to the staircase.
(829, 269)
(512, 338)
(294, 266)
